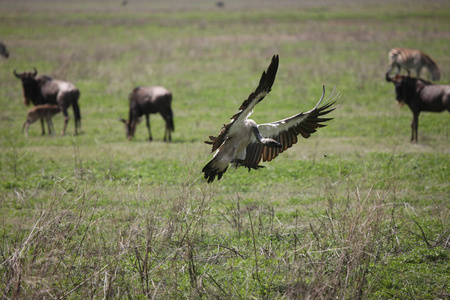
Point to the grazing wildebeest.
(43, 89)
(39, 112)
(420, 95)
(146, 100)
(412, 59)
(3, 51)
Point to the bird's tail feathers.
(212, 171)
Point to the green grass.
(354, 212)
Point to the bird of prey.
(242, 142)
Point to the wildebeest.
(412, 59)
(3, 51)
(420, 95)
(43, 89)
(146, 100)
(39, 112)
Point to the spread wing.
(286, 131)
(264, 87)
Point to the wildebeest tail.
(76, 108)
(170, 119)
(167, 113)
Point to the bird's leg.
(243, 163)
(271, 143)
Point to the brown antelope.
(43, 89)
(146, 100)
(412, 59)
(39, 112)
(420, 95)
(244, 143)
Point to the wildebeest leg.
(168, 119)
(42, 126)
(51, 130)
(66, 119)
(169, 132)
(167, 135)
(147, 118)
(414, 128)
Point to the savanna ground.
(354, 212)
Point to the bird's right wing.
(286, 131)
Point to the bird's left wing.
(264, 87)
(286, 131)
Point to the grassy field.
(354, 212)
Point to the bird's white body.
(234, 148)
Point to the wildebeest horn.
(17, 75)
(35, 71)
(388, 78)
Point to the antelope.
(412, 59)
(39, 112)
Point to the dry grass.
(355, 212)
(190, 247)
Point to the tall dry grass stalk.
(344, 243)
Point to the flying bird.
(244, 143)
